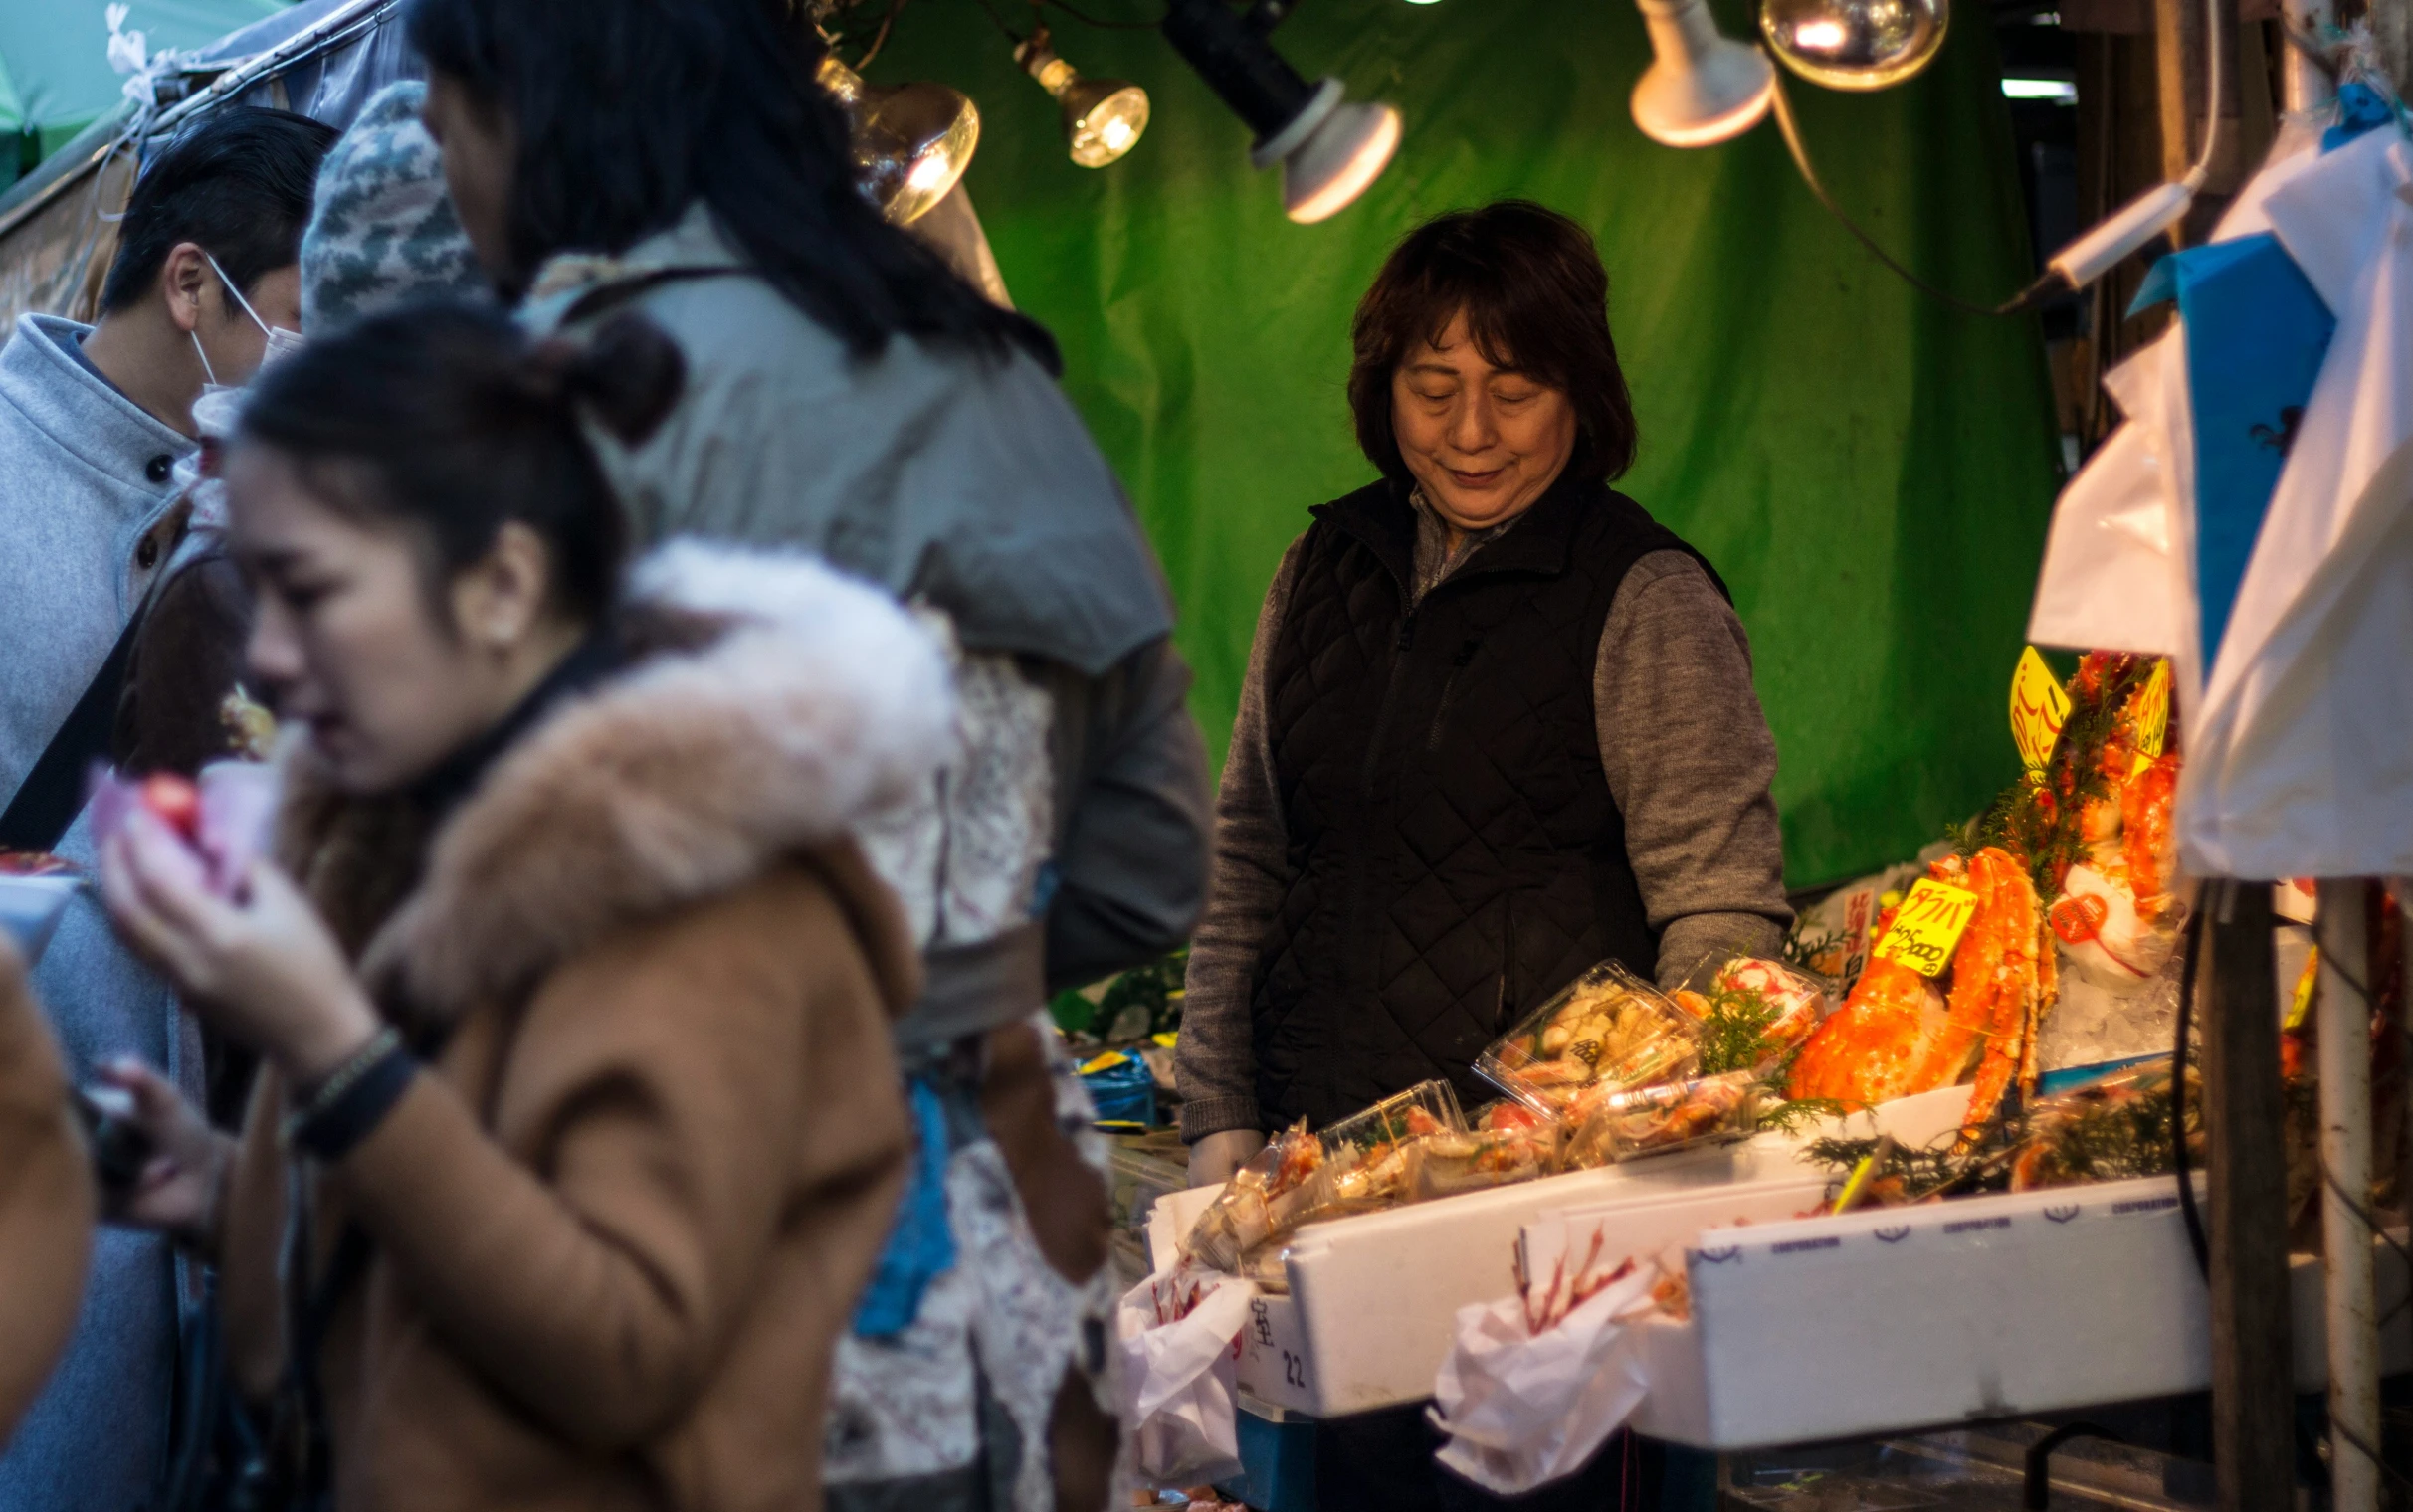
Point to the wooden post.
(2252, 1385)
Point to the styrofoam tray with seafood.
(1373, 1296)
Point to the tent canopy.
(55, 74)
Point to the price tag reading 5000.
(1927, 927)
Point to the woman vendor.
(1497, 723)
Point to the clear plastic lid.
(1607, 1028)
(1357, 1165)
(1755, 1013)
(1444, 1165)
(1655, 1120)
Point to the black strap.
(52, 794)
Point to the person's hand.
(265, 970)
(177, 1192)
(1214, 1158)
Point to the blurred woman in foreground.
(46, 1199)
(579, 1130)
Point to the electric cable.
(1112, 26)
(2189, 945)
(2044, 289)
(2051, 285)
(881, 38)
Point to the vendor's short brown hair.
(1537, 299)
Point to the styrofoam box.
(1375, 1298)
(1907, 1318)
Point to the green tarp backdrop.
(1872, 472)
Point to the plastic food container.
(1445, 1164)
(1365, 1155)
(1607, 1028)
(1357, 1165)
(1266, 1197)
(1654, 1120)
(1753, 998)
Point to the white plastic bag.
(1525, 1409)
(1178, 1332)
(2298, 764)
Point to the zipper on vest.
(1449, 693)
(1390, 698)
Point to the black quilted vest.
(1455, 853)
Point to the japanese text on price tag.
(2038, 706)
(1927, 927)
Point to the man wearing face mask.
(94, 422)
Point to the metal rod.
(2345, 1153)
(2252, 1390)
(2303, 85)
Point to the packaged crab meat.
(1264, 1197)
(1444, 1165)
(1607, 1028)
(1357, 1165)
(1755, 1013)
(1654, 1120)
(1366, 1154)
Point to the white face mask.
(282, 343)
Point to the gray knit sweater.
(1684, 745)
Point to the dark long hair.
(628, 111)
(1537, 299)
(446, 420)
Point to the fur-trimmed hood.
(771, 706)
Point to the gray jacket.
(84, 493)
(967, 481)
(84, 489)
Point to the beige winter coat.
(618, 1229)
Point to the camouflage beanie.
(383, 232)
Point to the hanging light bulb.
(1329, 150)
(912, 141)
(1855, 44)
(1102, 118)
(1702, 87)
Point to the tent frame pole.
(2253, 1374)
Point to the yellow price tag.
(1104, 1063)
(1929, 926)
(2038, 706)
(2154, 712)
(2300, 1006)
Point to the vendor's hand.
(177, 1192)
(1214, 1158)
(265, 970)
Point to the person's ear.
(498, 600)
(185, 279)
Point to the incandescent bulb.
(1855, 44)
(912, 141)
(1102, 118)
